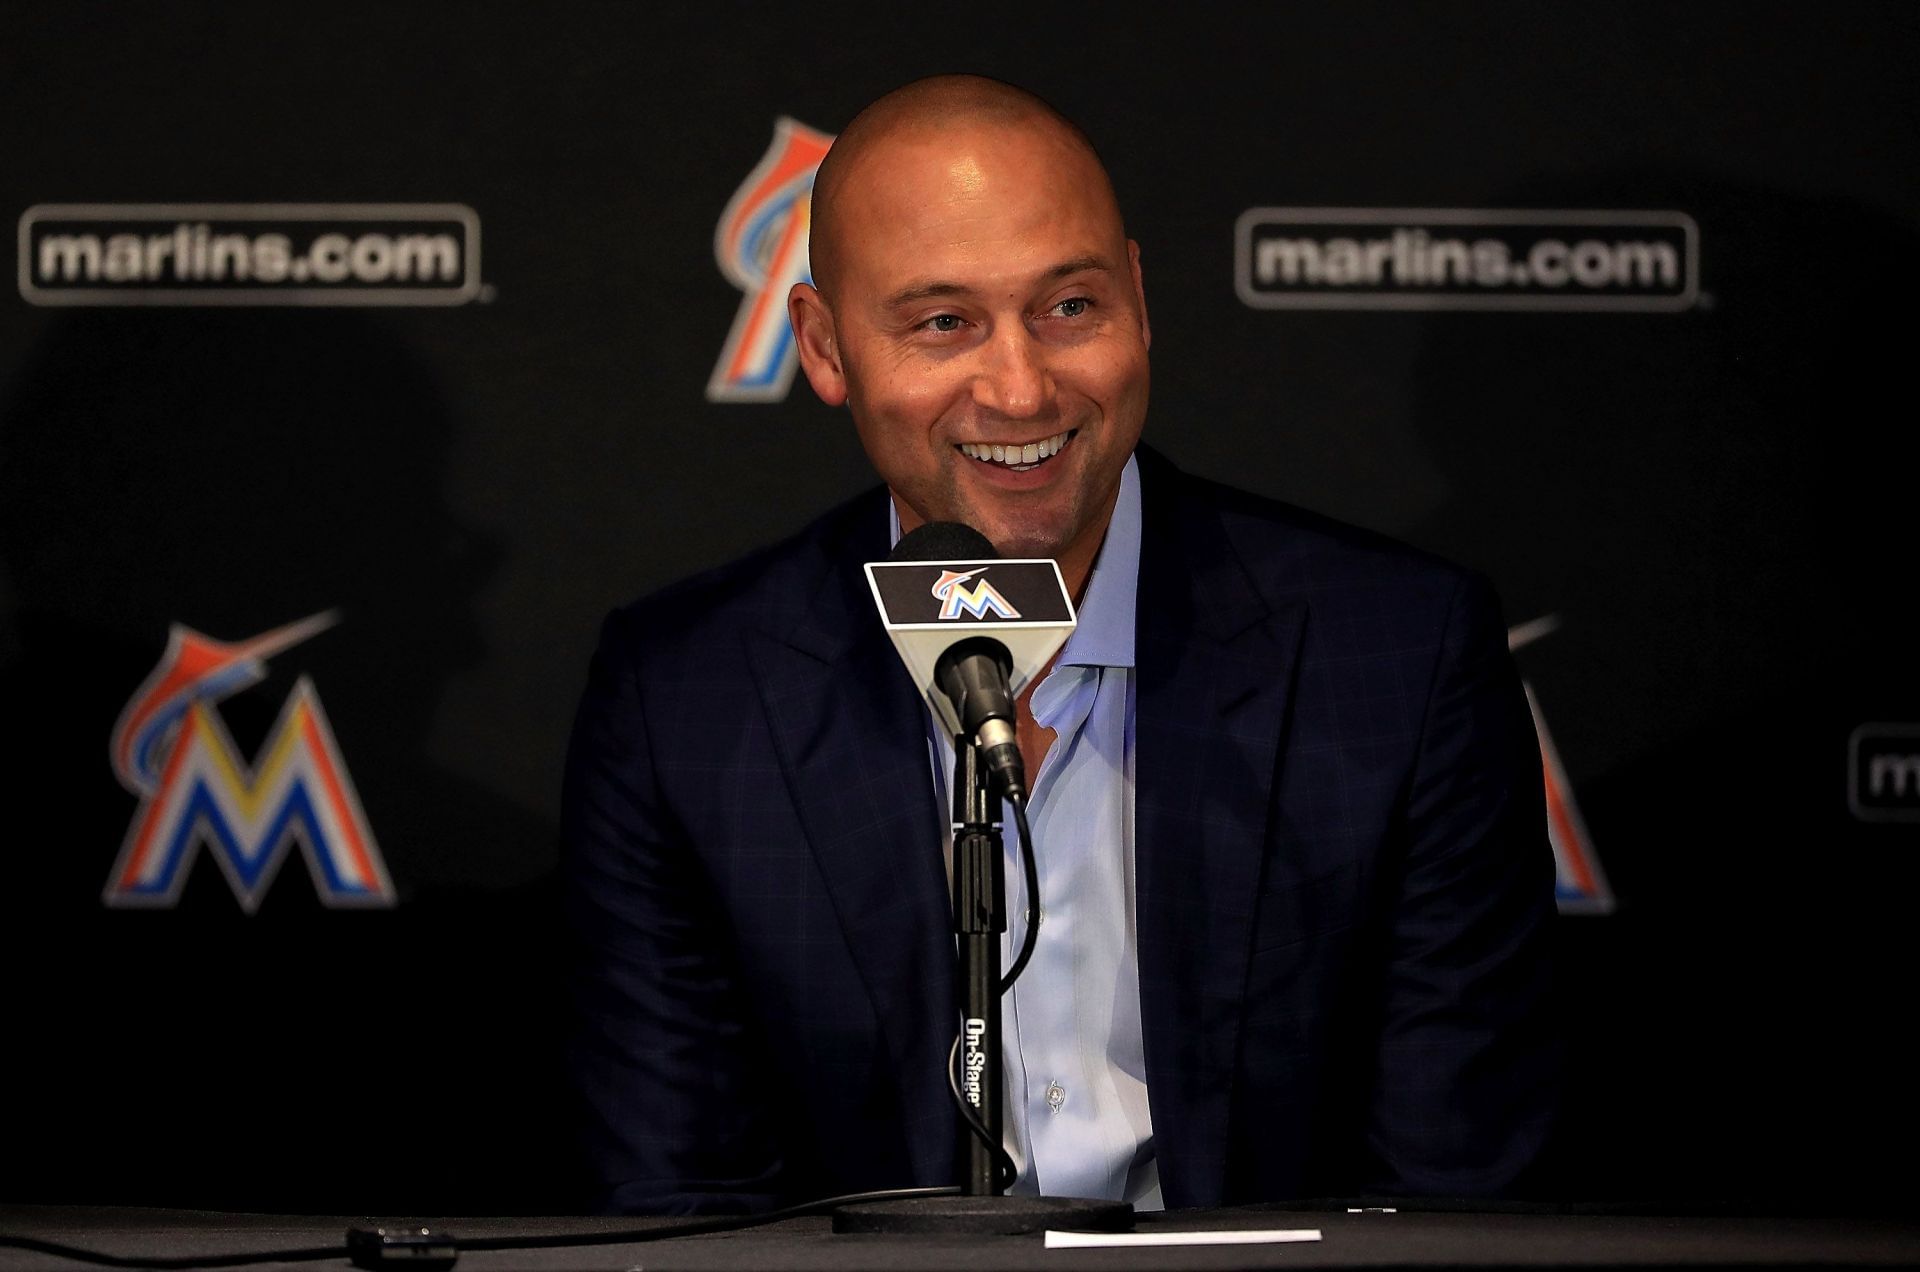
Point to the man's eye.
(1074, 306)
(944, 322)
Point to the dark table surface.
(1402, 1238)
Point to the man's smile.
(1018, 458)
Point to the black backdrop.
(1712, 501)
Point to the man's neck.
(1076, 561)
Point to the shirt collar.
(1103, 636)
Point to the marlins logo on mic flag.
(172, 750)
(979, 600)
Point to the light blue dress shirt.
(1077, 1120)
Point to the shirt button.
(1056, 1096)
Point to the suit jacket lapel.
(1215, 667)
(849, 731)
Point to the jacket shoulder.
(767, 589)
(1293, 553)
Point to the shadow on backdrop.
(236, 471)
(1716, 505)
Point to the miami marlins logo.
(978, 600)
(1579, 884)
(761, 246)
(171, 749)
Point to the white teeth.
(1017, 456)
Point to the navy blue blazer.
(1343, 885)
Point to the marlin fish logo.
(1579, 884)
(977, 600)
(172, 750)
(761, 246)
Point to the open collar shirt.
(1077, 1118)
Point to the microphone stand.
(979, 921)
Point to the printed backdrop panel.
(360, 359)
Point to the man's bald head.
(922, 111)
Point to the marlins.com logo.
(171, 749)
(979, 600)
(761, 246)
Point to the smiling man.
(1295, 892)
(977, 306)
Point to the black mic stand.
(979, 921)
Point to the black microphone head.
(943, 541)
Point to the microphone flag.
(928, 606)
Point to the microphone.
(976, 675)
(974, 630)
(976, 672)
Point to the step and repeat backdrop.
(360, 358)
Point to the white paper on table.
(1245, 1236)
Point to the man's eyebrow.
(934, 288)
(1080, 265)
(925, 291)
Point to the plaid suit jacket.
(1343, 885)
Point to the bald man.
(1295, 893)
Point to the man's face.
(986, 328)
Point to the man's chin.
(1039, 533)
(1025, 532)
(1017, 542)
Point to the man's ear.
(819, 352)
(1139, 293)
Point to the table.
(1537, 1237)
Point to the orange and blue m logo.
(171, 749)
(761, 246)
(979, 600)
(1580, 886)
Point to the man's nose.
(1014, 382)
